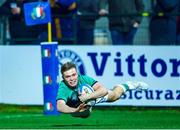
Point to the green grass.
(28, 117)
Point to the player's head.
(69, 74)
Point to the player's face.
(71, 77)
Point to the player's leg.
(115, 93)
(119, 89)
(112, 95)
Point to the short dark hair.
(67, 66)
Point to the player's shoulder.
(85, 79)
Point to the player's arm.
(99, 91)
(62, 107)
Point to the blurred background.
(101, 31)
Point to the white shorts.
(102, 99)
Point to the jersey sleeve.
(88, 80)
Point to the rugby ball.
(87, 89)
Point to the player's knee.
(115, 93)
(118, 91)
(113, 96)
(116, 96)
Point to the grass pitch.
(31, 117)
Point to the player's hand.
(84, 97)
(82, 107)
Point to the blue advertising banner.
(110, 65)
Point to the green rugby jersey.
(69, 94)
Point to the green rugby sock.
(125, 87)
